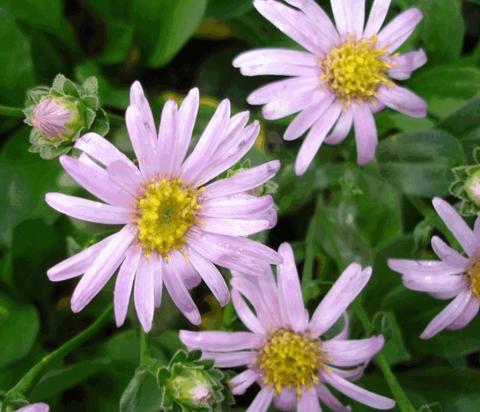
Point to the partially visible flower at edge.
(342, 78)
(60, 114)
(283, 351)
(193, 384)
(177, 225)
(466, 186)
(34, 407)
(454, 276)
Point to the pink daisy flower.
(454, 276)
(177, 225)
(342, 78)
(34, 407)
(283, 351)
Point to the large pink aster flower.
(283, 352)
(454, 276)
(176, 225)
(342, 79)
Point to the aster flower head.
(455, 276)
(176, 225)
(284, 352)
(344, 76)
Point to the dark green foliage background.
(365, 214)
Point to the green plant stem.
(307, 272)
(33, 375)
(397, 391)
(8, 111)
(144, 348)
(115, 119)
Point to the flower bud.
(466, 186)
(472, 187)
(192, 388)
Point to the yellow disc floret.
(290, 360)
(474, 275)
(167, 210)
(355, 70)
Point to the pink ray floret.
(178, 225)
(279, 313)
(34, 407)
(455, 276)
(343, 76)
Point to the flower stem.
(8, 111)
(397, 391)
(307, 272)
(144, 347)
(33, 375)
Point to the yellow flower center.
(290, 360)
(474, 275)
(355, 70)
(167, 210)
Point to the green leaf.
(15, 60)
(394, 349)
(174, 21)
(226, 9)
(442, 30)
(420, 162)
(464, 119)
(19, 325)
(132, 395)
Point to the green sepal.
(466, 178)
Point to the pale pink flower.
(51, 118)
(283, 351)
(454, 276)
(342, 78)
(177, 225)
(34, 407)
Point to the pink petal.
(467, 316)
(275, 56)
(450, 256)
(167, 154)
(124, 283)
(187, 114)
(158, 280)
(262, 401)
(376, 18)
(347, 287)
(315, 138)
(308, 402)
(448, 315)
(88, 210)
(96, 180)
(282, 89)
(242, 181)
(246, 315)
(237, 206)
(394, 34)
(207, 144)
(102, 269)
(34, 407)
(295, 103)
(349, 17)
(187, 272)
(457, 226)
(341, 129)
(290, 291)
(234, 227)
(352, 352)
(179, 293)
(291, 22)
(286, 400)
(365, 133)
(307, 117)
(102, 150)
(78, 264)
(143, 142)
(144, 291)
(422, 267)
(330, 400)
(359, 394)
(344, 332)
(211, 276)
(232, 359)
(436, 284)
(138, 99)
(221, 341)
(241, 382)
(405, 64)
(402, 100)
(130, 181)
